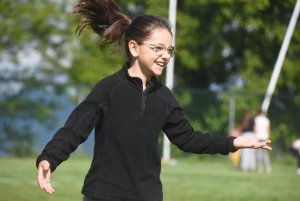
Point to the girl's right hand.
(43, 176)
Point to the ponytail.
(104, 17)
(106, 20)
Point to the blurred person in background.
(248, 156)
(262, 132)
(295, 151)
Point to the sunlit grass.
(220, 181)
(213, 179)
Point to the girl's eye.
(159, 48)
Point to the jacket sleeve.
(75, 131)
(181, 133)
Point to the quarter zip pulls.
(144, 97)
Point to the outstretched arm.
(43, 176)
(246, 142)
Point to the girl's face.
(154, 53)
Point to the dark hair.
(106, 20)
(244, 123)
(259, 111)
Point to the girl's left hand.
(254, 143)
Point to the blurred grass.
(213, 179)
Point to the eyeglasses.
(160, 49)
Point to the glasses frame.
(154, 47)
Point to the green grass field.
(213, 179)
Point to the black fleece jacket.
(126, 163)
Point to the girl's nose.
(166, 55)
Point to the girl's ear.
(133, 48)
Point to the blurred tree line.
(226, 51)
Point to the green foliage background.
(231, 44)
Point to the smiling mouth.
(161, 64)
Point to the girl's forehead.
(160, 36)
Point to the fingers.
(246, 142)
(48, 188)
(264, 145)
(43, 177)
(267, 147)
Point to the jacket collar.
(136, 82)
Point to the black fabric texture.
(126, 164)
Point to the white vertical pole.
(280, 59)
(169, 74)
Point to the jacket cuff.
(41, 158)
(232, 149)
